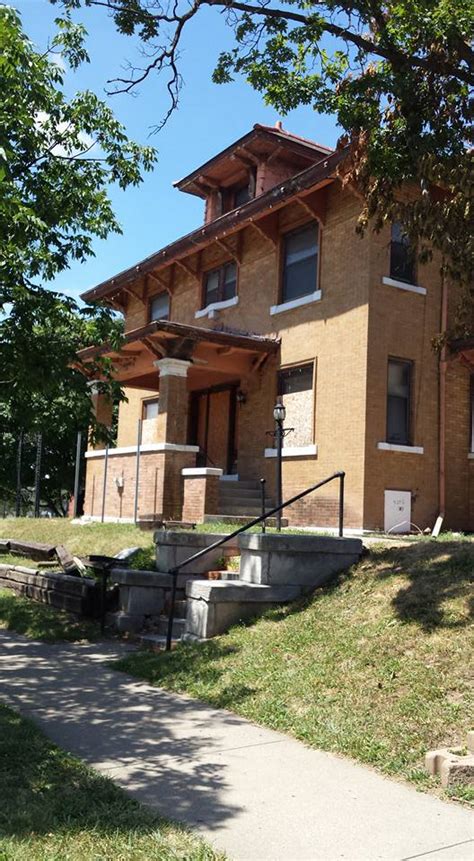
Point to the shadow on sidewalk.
(150, 741)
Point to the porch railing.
(264, 516)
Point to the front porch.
(214, 394)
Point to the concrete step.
(239, 520)
(237, 490)
(241, 509)
(180, 609)
(154, 642)
(251, 505)
(246, 485)
(178, 626)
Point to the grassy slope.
(376, 668)
(41, 622)
(100, 538)
(52, 806)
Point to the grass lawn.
(40, 622)
(80, 540)
(52, 806)
(378, 668)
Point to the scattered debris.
(454, 765)
(68, 562)
(39, 552)
(127, 553)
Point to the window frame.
(220, 268)
(145, 403)
(410, 418)
(414, 273)
(312, 361)
(151, 299)
(295, 228)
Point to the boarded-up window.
(295, 387)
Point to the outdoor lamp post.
(279, 414)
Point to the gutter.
(443, 364)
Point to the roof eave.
(323, 170)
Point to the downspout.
(442, 411)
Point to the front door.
(212, 426)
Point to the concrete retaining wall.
(173, 547)
(308, 561)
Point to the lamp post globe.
(279, 412)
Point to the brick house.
(276, 295)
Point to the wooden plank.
(66, 560)
(4, 545)
(41, 552)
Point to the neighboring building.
(277, 295)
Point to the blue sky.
(209, 118)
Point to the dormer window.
(160, 307)
(402, 258)
(237, 195)
(220, 284)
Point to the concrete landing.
(250, 791)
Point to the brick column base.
(201, 493)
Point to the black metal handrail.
(177, 568)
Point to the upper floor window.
(300, 262)
(150, 408)
(220, 284)
(402, 258)
(160, 307)
(399, 386)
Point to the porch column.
(173, 430)
(174, 400)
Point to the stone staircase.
(240, 501)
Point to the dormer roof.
(231, 165)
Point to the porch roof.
(211, 351)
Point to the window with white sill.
(300, 262)
(295, 388)
(399, 385)
(402, 256)
(220, 284)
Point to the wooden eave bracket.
(138, 293)
(154, 279)
(156, 350)
(187, 269)
(235, 253)
(315, 203)
(268, 227)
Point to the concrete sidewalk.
(250, 791)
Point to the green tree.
(397, 74)
(57, 159)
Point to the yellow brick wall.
(129, 413)
(349, 334)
